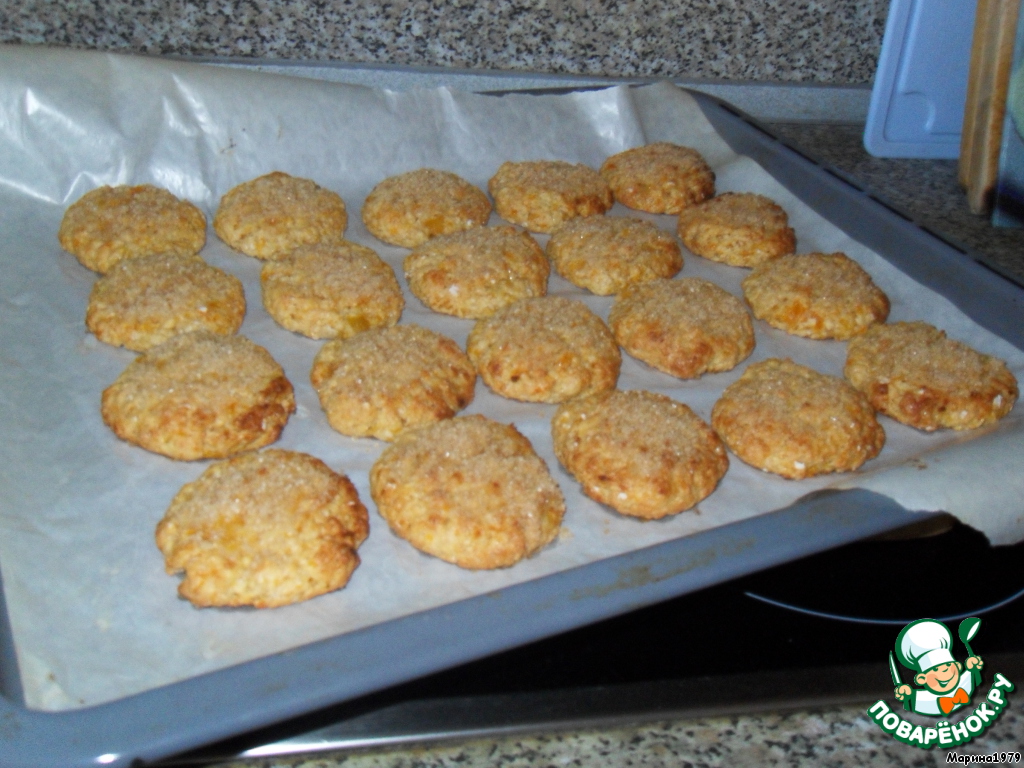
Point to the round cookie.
(200, 395)
(265, 529)
(917, 375)
(475, 273)
(271, 215)
(144, 301)
(411, 208)
(641, 453)
(791, 420)
(817, 295)
(545, 350)
(385, 381)
(469, 491)
(737, 228)
(685, 327)
(331, 290)
(659, 178)
(541, 195)
(109, 224)
(604, 254)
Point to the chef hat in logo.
(924, 644)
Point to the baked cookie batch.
(271, 527)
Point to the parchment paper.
(94, 615)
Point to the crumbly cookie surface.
(737, 228)
(469, 491)
(264, 529)
(200, 395)
(659, 177)
(144, 301)
(411, 208)
(385, 381)
(475, 273)
(604, 254)
(269, 216)
(110, 224)
(641, 453)
(791, 420)
(545, 350)
(331, 290)
(685, 327)
(816, 295)
(541, 195)
(917, 375)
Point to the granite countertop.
(928, 191)
(830, 41)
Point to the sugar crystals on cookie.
(264, 529)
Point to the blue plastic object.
(917, 102)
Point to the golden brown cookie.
(641, 453)
(604, 254)
(269, 216)
(475, 273)
(385, 381)
(265, 529)
(468, 490)
(545, 350)
(200, 395)
(144, 301)
(331, 290)
(817, 295)
(917, 375)
(109, 224)
(685, 327)
(411, 208)
(791, 420)
(541, 195)
(737, 228)
(659, 178)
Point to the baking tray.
(210, 707)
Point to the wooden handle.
(992, 46)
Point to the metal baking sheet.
(212, 706)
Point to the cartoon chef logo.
(941, 685)
(944, 685)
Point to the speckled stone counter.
(838, 737)
(831, 41)
(926, 190)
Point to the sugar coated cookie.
(475, 273)
(384, 381)
(604, 254)
(817, 295)
(541, 195)
(659, 178)
(469, 491)
(545, 350)
(110, 224)
(331, 290)
(271, 215)
(737, 228)
(265, 529)
(641, 453)
(917, 375)
(411, 208)
(791, 420)
(144, 301)
(200, 395)
(685, 327)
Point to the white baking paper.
(94, 615)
